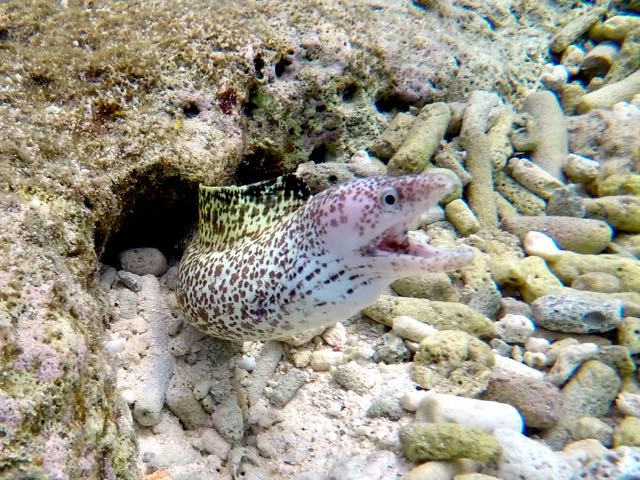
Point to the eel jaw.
(406, 253)
(396, 241)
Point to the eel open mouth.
(397, 240)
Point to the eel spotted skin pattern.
(271, 261)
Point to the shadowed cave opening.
(159, 209)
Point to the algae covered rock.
(627, 270)
(453, 362)
(422, 442)
(433, 286)
(619, 211)
(580, 235)
(629, 334)
(441, 315)
(627, 433)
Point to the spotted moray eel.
(270, 260)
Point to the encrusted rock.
(627, 433)
(577, 314)
(469, 412)
(391, 349)
(539, 402)
(143, 261)
(441, 315)
(577, 234)
(287, 387)
(622, 463)
(629, 334)
(526, 459)
(422, 442)
(353, 377)
(515, 328)
(453, 362)
(591, 427)
(589, 393)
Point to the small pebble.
(386, 406)
(569, 359)
(517, 353)
(538, 401)
(629, 404)
(554, 77)
(143, 261)
(536, 359)
(567, 202)
(411, 329)
(353, 377)
(287, 387)
(323, 360)
(300, 358)
(114, 346)
(247, 363)
(411, 400)
(514, 328)
(541, 245)
(201, 389)
(335, 335)
(108, 276)
(391, 349)
(536, 345)
(507, 367)
(510, 305)
(500, 347)
(130, 280)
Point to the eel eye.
(389, 199)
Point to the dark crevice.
(392, 102)
(281, 66)
(190, 110)
(257, 165)
(258, 65)
(319, 154)
(349, 92)
(159, 208)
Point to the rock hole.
(594, 319)
(319, 154)
(258, 65)
(259, 164)
(281, 66)
(392, 102)
(158, 209)
(190, 110)
(349, 92)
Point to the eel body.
(271, 261)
